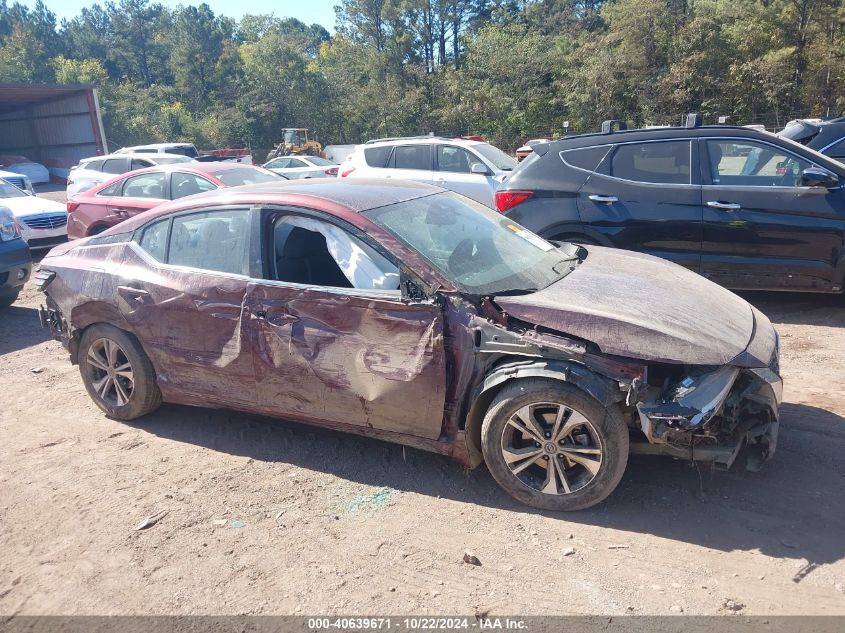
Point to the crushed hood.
(636, 305)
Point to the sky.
(309, 11)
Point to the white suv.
(471, 168)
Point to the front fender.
(604, 390)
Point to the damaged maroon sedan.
(413, 314)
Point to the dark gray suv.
(744, 208)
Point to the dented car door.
(347, 356)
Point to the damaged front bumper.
(715, 416)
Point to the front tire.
(117, 373)
(552, 446)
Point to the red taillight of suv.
(346, 172)
(506, 200)
(72, 206)
(331, 171)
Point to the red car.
(105, 205)
(407, 312)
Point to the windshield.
(170, 160)
(496, 156)
(10, 191)
(245, 176)
(292, 137)
(479, 250)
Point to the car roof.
(656, 133)
(154, 146)
(355, 195)
(417, 140)
(146, 155)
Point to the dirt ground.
(268, 517)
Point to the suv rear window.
(378, 156)
(659, 162)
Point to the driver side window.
(313, 252)
(745, 163)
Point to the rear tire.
(117, 373)
(536, 424)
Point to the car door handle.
(603, 199)
(725, 206)
(131, 294)
(119, 211)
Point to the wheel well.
(575, 374)
(76, 339)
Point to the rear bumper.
(15, 266)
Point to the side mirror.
(479, 168)
(818, 177)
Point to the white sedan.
(43, 222)
(295, 167)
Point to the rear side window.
(412, 157)
(154, 239)
(378, 156)
(662, 162)
(586, 158)
(114, 166)
(214, 240)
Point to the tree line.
(506, 69)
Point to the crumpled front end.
(714, 414)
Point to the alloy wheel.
(552, 448)
(110, 372)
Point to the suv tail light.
(506, 200)
(331, 171)
(346, 172)
(72, 206)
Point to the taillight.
(72, 206)
(506, 200)
(331, 171)
(346, 172)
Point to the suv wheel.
(552, 446)
(117, 373)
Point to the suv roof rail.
(407, 138)
(694, 119)
(607, 126)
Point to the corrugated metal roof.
(15, 96)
